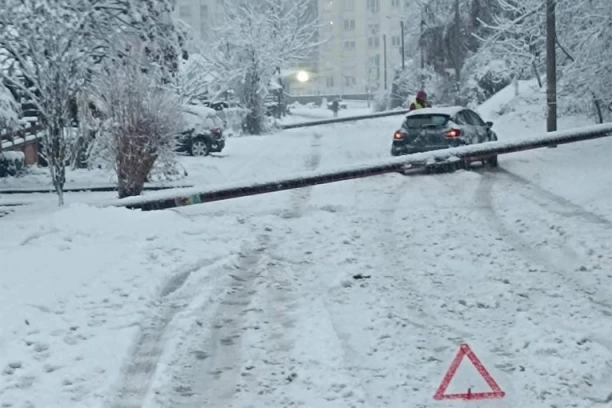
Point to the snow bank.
(577, 172)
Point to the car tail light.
(398, 136)
(453, 133)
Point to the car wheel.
(199, 147)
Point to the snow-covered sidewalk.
(75, 289)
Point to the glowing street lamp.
(303, 76)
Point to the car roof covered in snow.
(442, 110)
(201, 118)
(201, 110)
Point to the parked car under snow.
(203, 131)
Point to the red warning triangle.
(465, 350)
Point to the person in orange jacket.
(421, 101)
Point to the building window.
(396, 41)
(349, 45)
(349, 25)
(204, 12)
(350, 81)
(349, 5)
(374, 42)
(374, 6)
(185, 12)
(374, 29)
(395, 3)
(329, 81)
(373, 70)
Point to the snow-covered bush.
(483, 79)
(382, 100)
(234, 118)
(11, 163)
(142, 123)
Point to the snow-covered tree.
(141, 120)
(115, 24)
(194, 80)
(517, 36)
(48, 50)
(44, 58)
(583, 43)
(9, 109)
(252, 39)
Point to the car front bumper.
(217, 145)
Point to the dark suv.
(430, 129)
(203, 133)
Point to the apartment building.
(200, 15)
(352, 60)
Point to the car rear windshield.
(419, 121)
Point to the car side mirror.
(490, 124)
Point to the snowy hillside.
(352, 294)
(578, 172)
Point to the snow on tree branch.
(254, 38)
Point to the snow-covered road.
(354, 294)
(516, 272)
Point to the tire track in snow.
(562, 304)
(211, 379)
(280, 298)
(421, 290)
(371, 375)
(299, 197)
(211, 373)
(553, 253)
(544, 198)
(385, 305)
(140, 367)
(286, 292)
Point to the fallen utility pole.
(181, 197)
(355, 118)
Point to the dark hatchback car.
(430, 129)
